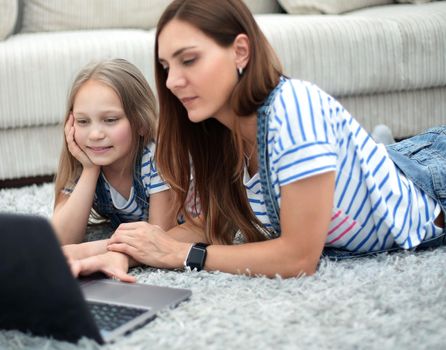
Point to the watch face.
(196, 257)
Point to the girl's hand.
(114, 265)
(73, 147)
(73, 252)
(149, 245)
(84, 250)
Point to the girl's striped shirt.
(375, 206)
(152, 182)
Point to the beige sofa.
(386, 63)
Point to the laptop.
(38, 293)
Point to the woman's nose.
(175, 80)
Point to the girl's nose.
(96, 133)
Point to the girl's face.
(201, 74)
(101, 128)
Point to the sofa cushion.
(56, 15)
(8, 17)
(362, 54)
(28, 152)
(302, 7)
(263, 6)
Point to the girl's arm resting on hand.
(71, 212)
(84, 250)
(189, 232)
(161, 211)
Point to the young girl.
(107, 161)
(278, 164)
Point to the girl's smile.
(99, 150)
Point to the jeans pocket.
(409, 148)
(438, 173)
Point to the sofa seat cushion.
(362, 54)
(39, 69)
(28, 152)
(405, 112)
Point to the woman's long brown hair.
(210, 150)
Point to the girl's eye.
(81, 121)
(111, 120)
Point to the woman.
(277, 164)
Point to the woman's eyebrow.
(177, 52)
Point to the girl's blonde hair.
(138, 102)
(215, 151)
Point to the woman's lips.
(188, 100)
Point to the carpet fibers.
(393, 301)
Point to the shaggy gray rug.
(395, 301)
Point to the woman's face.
(201, 74)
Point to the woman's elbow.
(301, 267)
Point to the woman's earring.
(240, 71)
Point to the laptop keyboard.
(109, 317)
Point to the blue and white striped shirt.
(152, 182)
(375, 205)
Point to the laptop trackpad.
(131, 294)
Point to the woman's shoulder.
(301, 113)
(296, 89)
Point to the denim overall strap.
(102, 203)
(271, 203)
(104, 206)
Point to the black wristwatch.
(196, 257)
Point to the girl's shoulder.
(148, 155)
(149, 150)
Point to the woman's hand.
(149, 245)
(73, 147)
(113, 264)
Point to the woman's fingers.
(130, 236)
(134, 225)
